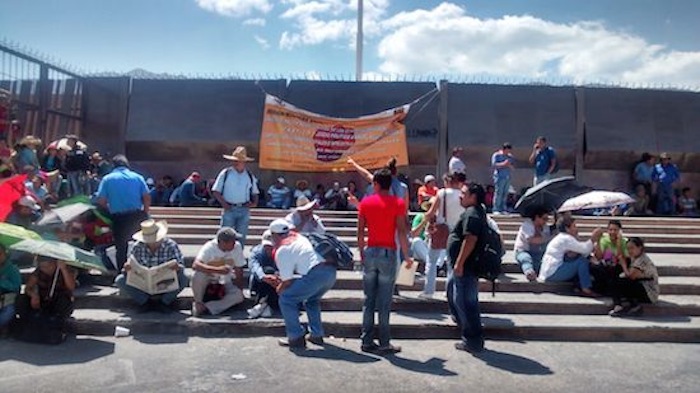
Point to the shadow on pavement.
(161, 338)
(72, 351)
(434, 366)
(513, 363)
(332, 352)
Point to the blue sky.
(634, 42)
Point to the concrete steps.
(520, 310)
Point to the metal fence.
(41, 98)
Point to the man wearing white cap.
(279, 195)
(26, 211)
(263, 278)
(305, 277)
(237, 191)
(428, 189)
(153, 247)
(217, 264)
(303, 218)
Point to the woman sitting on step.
(566, 257)
(638, 282)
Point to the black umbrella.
(549, 194)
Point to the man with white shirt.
(566, 257)
(303, 218)
(456, 165)
(213, 266)
(304, 278)
(237, 191)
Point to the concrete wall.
(175, 126)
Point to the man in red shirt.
(380, 215)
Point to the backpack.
(331, 249)
(488, 255)
(40, 328)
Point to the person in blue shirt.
(502, 163)
(125, 194)
(665, 176)
(263, 277)
(187, 191)
(545, 160)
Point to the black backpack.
(488, 255)
(331, 249)
(40, 328)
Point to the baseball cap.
(279, 226)
(267, 238)
(280, 179)
(227, 234)
(428, 178)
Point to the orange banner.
(296, 140)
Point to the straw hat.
(30, 140)
(239, 154)
(303, 203)
(152, 231)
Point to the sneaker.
(531, 275)
(618, 310)
(389, 349)
(267, 312)
(370, 348)
(315, 340)
(256, 311)
(426, 296)
(296, 343)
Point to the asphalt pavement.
(171, 363)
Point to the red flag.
(10, 191)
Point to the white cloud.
(263, 42)
(329, 21)
(254, 22)
(235, 8)
(446, 40)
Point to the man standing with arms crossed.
(381, 216)
(236, 189)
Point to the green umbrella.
(11, 234)
(62, 251)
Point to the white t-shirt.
(210, 254)
(557, 247)
(456, 165)
(238, 185)
(294, 218)
(526, 232)
(296, 255)
(453, 208)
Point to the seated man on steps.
(296, 257)
(263, 278)
(213, 268)
(153, 247)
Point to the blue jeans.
(141, 297)
(307, 290)
(464, 302)
(664, 199)
(569, 270)
(431, 270)
(378, 281)
(529, 260)
(238, 219)
(500, 194)
(7, 314)
(76, 183)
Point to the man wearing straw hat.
(153, 247)
(303, 218)
(237, 191)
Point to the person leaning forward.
(237, 191)
(219, 261)
(125, 194)
(153, 247)
(295, 256)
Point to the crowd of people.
(286, 271)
